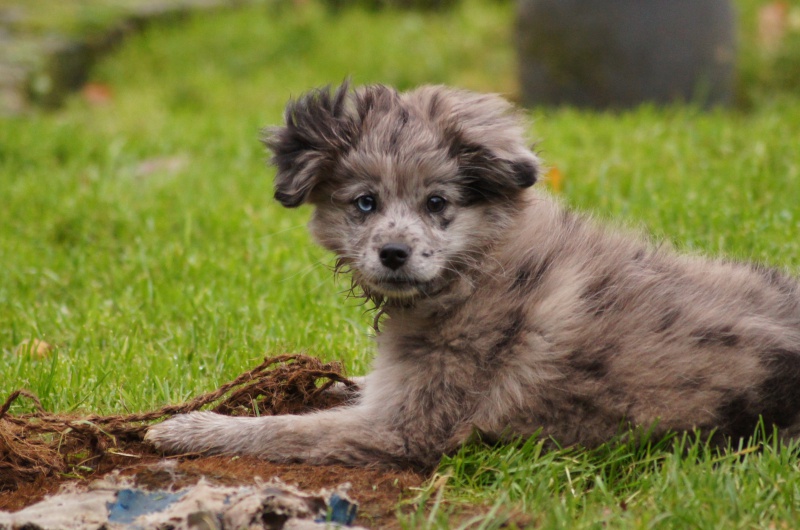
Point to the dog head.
(409, 189)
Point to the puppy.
(503, 312)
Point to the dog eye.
(366, 203)
(436, 204)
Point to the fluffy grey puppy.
(503, 312)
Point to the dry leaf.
(97, 93)
(555, 178)
(38, 349)
(773, 22)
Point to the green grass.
(191, 275)
(673, 483)
(139, 238)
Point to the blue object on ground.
(340, 511)
(132, 503)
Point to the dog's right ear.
(319, 129)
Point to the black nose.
(394, 255)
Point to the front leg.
(350, 435)
(348, 394)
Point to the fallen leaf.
(97, 93)
(555, 178)
(37, 349)
(773, 22)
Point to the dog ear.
(319, 129)
(487, 175)
(486, 137)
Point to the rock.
(620, 53)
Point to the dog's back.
(580, 331)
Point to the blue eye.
(366, 203)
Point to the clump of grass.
(676, 481)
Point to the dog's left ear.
(487, 139)
(319, 129)
(487, 175)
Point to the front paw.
(196, 432)
(346, 393)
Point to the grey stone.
(619, 53)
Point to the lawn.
(139, 239)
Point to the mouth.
(398, 287)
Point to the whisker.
(302, 273)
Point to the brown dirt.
(39, 452)
(377, 491)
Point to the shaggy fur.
(504, 313)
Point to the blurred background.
(592, 53)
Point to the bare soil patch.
(377, 492)
(39, 451)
